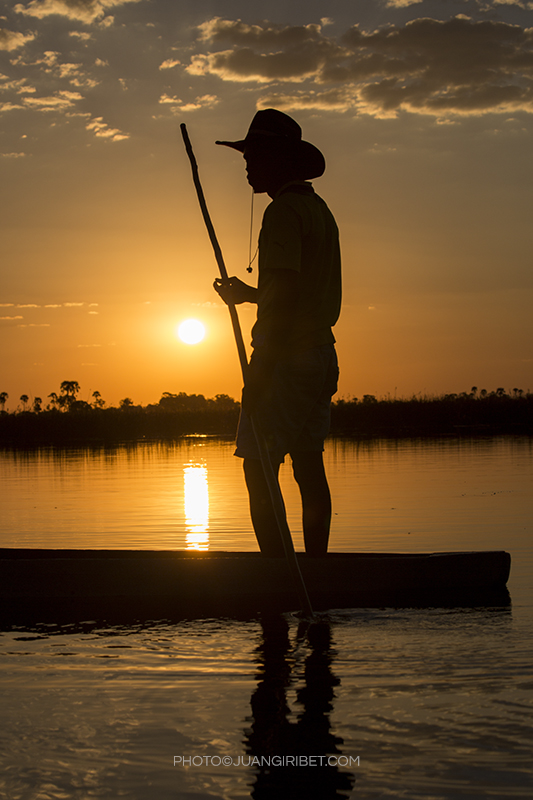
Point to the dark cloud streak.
(458, 66)
(86, 11)
(13, 40)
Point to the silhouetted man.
(293, 371)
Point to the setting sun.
(190, 331)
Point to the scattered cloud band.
(80, 10)
(427, 66)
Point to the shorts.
(294, 415)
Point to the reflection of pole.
(270, 476)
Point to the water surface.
(435, 703)
(406, 495)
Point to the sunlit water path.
(429, 703)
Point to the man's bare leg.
(261, 510)
(309, 472)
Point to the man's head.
(275, 152)
(270, 163)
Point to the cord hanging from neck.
(251, 260)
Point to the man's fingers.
(232, 290)
(223, 294)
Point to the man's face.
(260, 165)
(268, 164)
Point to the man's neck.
(295, 182)
(280, 182)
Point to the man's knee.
(256, 482)
(308, 467)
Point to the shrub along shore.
(68, 421)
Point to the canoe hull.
(181, 584)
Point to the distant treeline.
(468, 413)
(76, 421)
(67, 420)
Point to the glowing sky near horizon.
(424, 112)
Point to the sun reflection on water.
(196, 506)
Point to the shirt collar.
(286, 186)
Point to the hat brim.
(312, 162)
(235, 145)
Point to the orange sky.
(425, 119)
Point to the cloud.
(17, 317)
(58, 102)
(519, 3)
(82, 36)
(402, 3)
(166, 99)
(75, 75)
(427, 66)
(20, 85)
(338, 99)
(12, 155)
(50, 65)
(178, 106)
(9, 107)
(82, 10)
(244, 65)
(267, 34)
(263, 53)
(102, 130)
(13, 40)
(169, 63)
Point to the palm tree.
(69, 390)
(24, 399)
(3, 398)
(98, 402)
(54, 400)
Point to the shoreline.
(73, 422)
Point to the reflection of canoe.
(188, 583)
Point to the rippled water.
(388, 495)
(410, 703)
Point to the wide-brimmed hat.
(269, 124)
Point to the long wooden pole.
(270, 475)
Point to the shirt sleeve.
(280, 240)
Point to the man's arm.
(271, 344)
(284, 291)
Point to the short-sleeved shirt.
(299, 233)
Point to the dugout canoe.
(181, 584)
